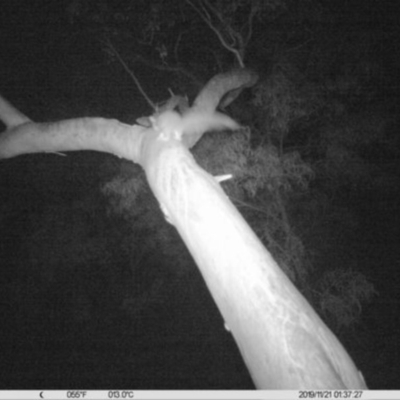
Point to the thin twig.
(132, 75)
(207, 19)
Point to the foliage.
(261, 186)
(131, 198)
(156, 254)
(284, 98)
(339, 140)
(254, 168)
(342, 294)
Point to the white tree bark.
(284, 343)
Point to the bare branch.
(203, 109)
(205, 16)
(212, 93)
(176, 46)
(176, 69)
(111, 136)
(252, 14)
(130, 72)
(99, 134)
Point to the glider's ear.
(144, 121)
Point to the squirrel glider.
(191, 125)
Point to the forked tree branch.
(24, 136)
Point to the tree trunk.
(284, 343)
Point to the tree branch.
(99, 134)
(205, 16)
(130, 72)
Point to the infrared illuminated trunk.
(284, 343)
